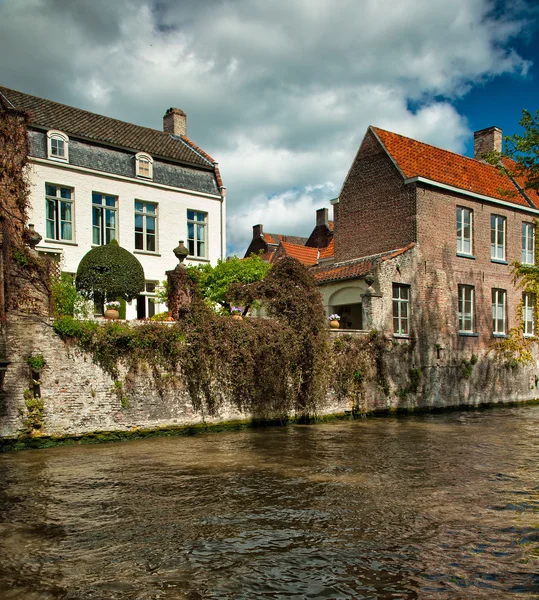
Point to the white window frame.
(57, 221)
(192, 242)
(149, 305)
(498, 228)
(401, 309)
(528, 314)
(528, 244)
(103, 226)
(54, 135)
(464, 219)
(143, 158)
(466, 299)
(499, 311)
(145, 214)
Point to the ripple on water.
(438, 506)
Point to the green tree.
(523, 152)
(109, 272)
(216, 282)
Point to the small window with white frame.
(528, 244)
(466, 309)
(145, 226)
(57, 146)
(197, 223)
(528, 313)
(464, 231)
(499, 312)
(144, 166)
(401, 309)
(497, 237)
(104, 218)
(59, 221)
(146, 307)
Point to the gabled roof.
(417, 159)
(352, 269)
(81, 123)
(304, 254)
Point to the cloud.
(280, 92)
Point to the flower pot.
(112, 313)
(237, 317)
(334, 324)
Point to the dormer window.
(57, 146)
(144, 166)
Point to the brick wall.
(443, 270)
(376, 210)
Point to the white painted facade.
(172, 206)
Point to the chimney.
(485, 141)
(322, 217)
(257, 231)
(175, 122)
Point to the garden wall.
(80, 398)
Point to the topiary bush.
(109, 272)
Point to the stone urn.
(334, 324)
(112, 313)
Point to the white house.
(94, 178)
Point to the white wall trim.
(138, 180)
(472, 194)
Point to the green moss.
(36, 362)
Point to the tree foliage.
(109, 272)
(524, 150)
(216, 282)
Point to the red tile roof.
(275, 238)
(307, 256)
(417, 159)
(353, 269)
(329, 251)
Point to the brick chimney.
(322, 217)
(175, 121)
(257, 231)
(487, 140)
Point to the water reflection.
(429, 507)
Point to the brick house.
(424, 241)
(94, 178)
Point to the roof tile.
(417, 159)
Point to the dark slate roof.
(77, 122)
(275, 238)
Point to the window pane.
(201, 233)
(96, 198)
(201, 216)
(110, 218)
(201, 249)
(190, 231)
(138, 206)
(65, 192)
(139, 244)
(150, 225)
(191, 215)
(110, 200)
(151, 243)
(50, 190)
(51, 234)
(191, 247)
(150, 208)
(65, 211)
(138, 223)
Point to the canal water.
(426, 507)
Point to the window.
(196, 233)
(497, 237)
(401, 309)
(145, 226)
(528, 313)
(103, 218)
(498, 311)
(57, 146)
(145, 304)
(144, 166)
(466, 309)
(59, 213)
(528, 244)
(464, 230)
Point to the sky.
(281, 92)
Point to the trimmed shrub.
(109, 273)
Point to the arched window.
(144, 165)
(57, 146)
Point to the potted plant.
(112, 310)
(236, 313)
(334, 321)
